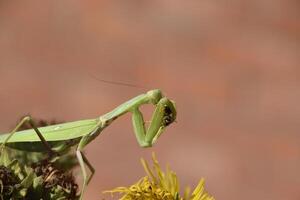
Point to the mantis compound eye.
(169, 116)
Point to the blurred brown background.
(231, 66)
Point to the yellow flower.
(158, 185)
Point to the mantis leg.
(79, 155)
(91, 168)
(29, 120)
(163, 115)
(82, 162)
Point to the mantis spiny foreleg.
(163, 115)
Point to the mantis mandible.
(57, 139)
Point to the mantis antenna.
(118, 83)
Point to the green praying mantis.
(58, 139)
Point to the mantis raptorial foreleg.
(160, 119)
(29, 120)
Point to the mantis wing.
(58, 132)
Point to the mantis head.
(164, 114)
(167, 115)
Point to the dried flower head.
(15, 179)
(8, 180)
(54, 178)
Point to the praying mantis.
(58, 139)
